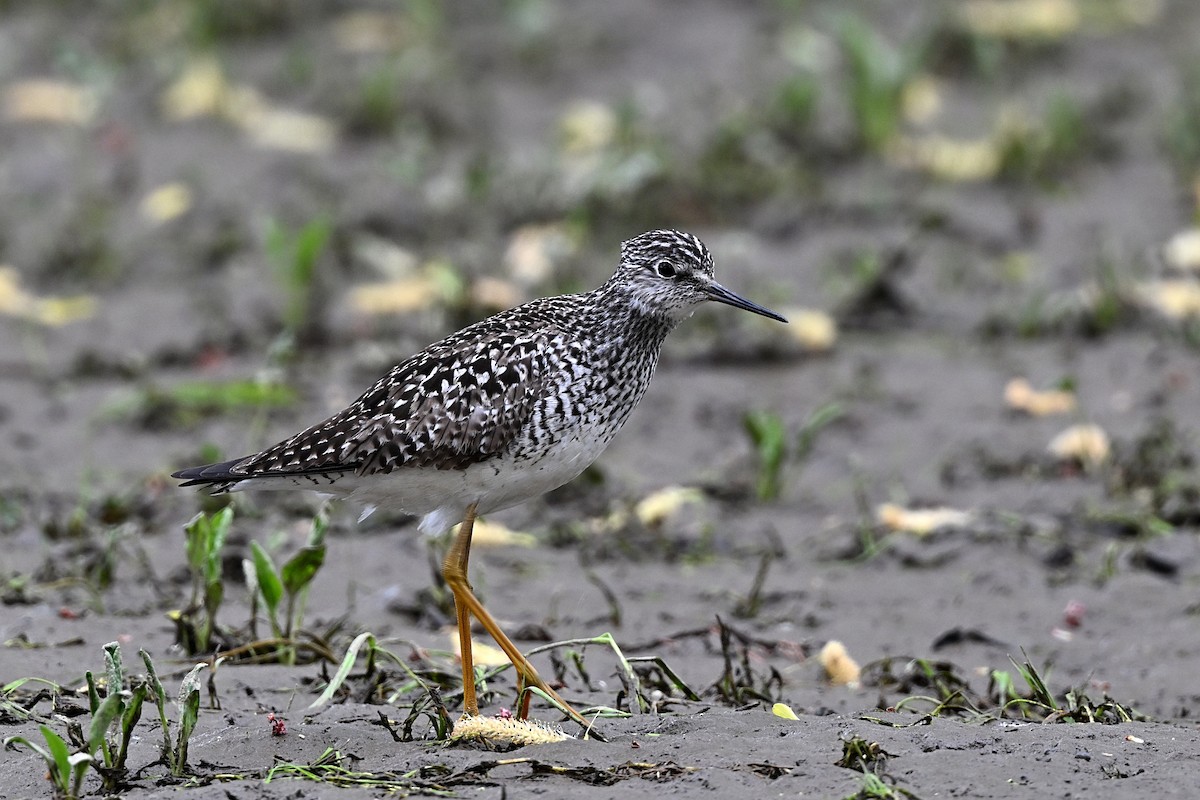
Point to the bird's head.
(669, 273)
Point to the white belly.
(495, 484)
(441, 496)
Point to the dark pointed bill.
(722, 295)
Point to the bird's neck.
(623, 318)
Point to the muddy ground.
(415, 144)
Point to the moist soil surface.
(416, 144)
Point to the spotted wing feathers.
(458, 402)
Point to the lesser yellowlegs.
(502, 411)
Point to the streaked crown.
(665, 273)
(682, 250)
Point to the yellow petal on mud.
(46, 100)
(495, 294)
(922, 520)
(921, 99)
(783, 711)
(399, 296)
(1020, 19)
(1021, 396)
(1175, 299)
(534, 250)
(1183, 250)
(295, 131)
(840, 668)
(494, 534)
(369, 32)
(483, 655)
(51, 311)
(434, 283)
(1088, 444)
(58, 311)
(612, 522)
(659, 507)
(243, 105)
(958, 160)
(587, 126)
(200, 91)
(520, 732)
(167, 202)
(203, 90)
(815, 331)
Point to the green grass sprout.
(287, 585)
(295, 254)
(206, 535)
(65, 769)
(769, 435)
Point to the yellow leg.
(454, 570)
(466, 606)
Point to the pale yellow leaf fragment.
(945, 158)
(296, 131)
(406, 294)
(59, 311)
(1021, 396)
(840, 668)
(587, 126)
(1021, 19)
(1175, 298)
(1088, 444)
(436, 282)
(495, 534)
(495, 293)
(47, 100)
(921, 99)
(534, 250)
(1183, 250)
(200, 91)
(51, 311)
(483, 655)
(513, 731)
(922, 520)
(783, 711)
(814, 330)
(664, 504)
(203, 90)
(167, 202)
(243, 105)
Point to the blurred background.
(220, 220)
(225, 188)
(231, 188)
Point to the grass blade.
(344, 668)
(269, 584)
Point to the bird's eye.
(665, 269)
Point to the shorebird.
(500, 412)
